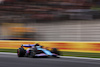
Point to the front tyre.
(55, 50)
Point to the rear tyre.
(31, 54)
(21, 52)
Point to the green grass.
(9, 50)
(81, 54)
(75, 54)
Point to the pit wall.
(91, 47)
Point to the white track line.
(59, 56)
(80, 58)
(8, 53)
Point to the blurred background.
(50, 20)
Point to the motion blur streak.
(14, 61)
(92, 47)
(50, 20)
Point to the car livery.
(36, 51)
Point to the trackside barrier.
(91, 47)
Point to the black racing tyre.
(21, 52)
(55, 50)
(31, 54)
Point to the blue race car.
(37, 51)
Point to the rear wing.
(27, 45)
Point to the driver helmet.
(37, 44)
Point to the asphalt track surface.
(8, 60)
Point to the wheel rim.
(18, 52)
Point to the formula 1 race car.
(37, 51)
